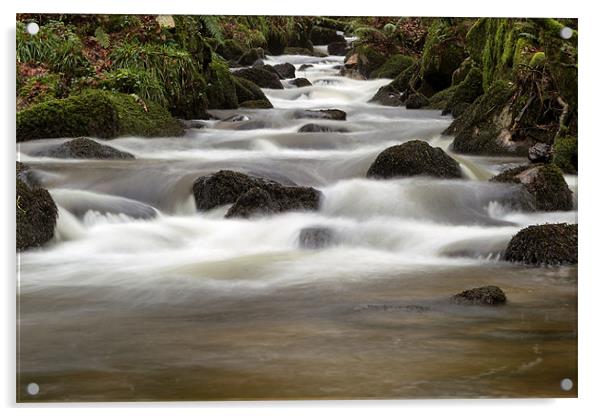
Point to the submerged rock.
(251, 195)
(260, 77)
(36, 213)
(548, 244)
(416, 101)
(331, 114)
(486, 295)
(301, 82)
(412, 158)
(316, 128)
(316, 237)
(544, 182)
(85, 148)
(286, 70)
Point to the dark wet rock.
(235, 118)
(84, 148)
(331, 114)
(256, 104)
(305, 66)
(269, 68)
(192, 124)
(338, 48)
(259, 64)
(27, 175)
(486, 295)
(413, 158)
(548, 244)
(251, 195)
(36, 213)
(248, 91)
(316, 128)
(241, 122)
(324, 36)
(540, 153)
(388, 96)
(416, 101)
(230, 49)
(316, 237)
(293, 50)
(260, 77)
(389, 307)
(286, 70)
(544, 182)
(252, 55)
(301, 82)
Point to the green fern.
(212, 27)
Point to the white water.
(128, 233)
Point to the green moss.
(467, 91)
(476, 39)
(95, 113)
(221, 89)
(537, 60)
(439, 100)
(247, 90)
(393, 66)
(403, 81)
(565, 154)
(38, 89)
(135, 81)
(369, 59)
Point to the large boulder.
(413, 158)
(544, 182)
(248, 91)
(36, 213)
(286, 70)
(416, 101)
(486, 295)
(388, 95)
(338, 48)
(96, 113)
(324, 36)
(260, 77)
(330, 114)
(251, 56)
(251, 195)
(230, 49)
(301, 82)
(548, 244)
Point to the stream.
(140, 297)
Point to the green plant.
(135, 81)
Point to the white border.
(589, 202)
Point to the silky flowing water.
(140, 297)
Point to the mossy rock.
(85, 148)
(439, 100)
(96, 113)
(276, 41)
(256, 104)
(404, 81)
(36, 214)
(548, 244)
(483, 126)
(413, 158)
(442, 55)
(369, 59)
(252, 55)
(261, 77)
(387, 95)
(466, 92)
(38, 89)
(460, 74)
(565, 154)
(248, 91)
(544, 182)
(323, 36)
(538, 60)
(231, 49)
(416, 101)
(221, 89)
(393, 66)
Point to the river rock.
(316, 128)
(544, 182)
(412, 158)
(269, 68)
(252, 55)
(192, 124)
(388, 96)
(305, 66)
(331, 114)
(230, 49)
(301, 82)
(416, 101)
(256, 104)
(486, 295)
(540, 153)
(338, 48)
(36, 213)
(84, 148)
(316, 237)
(260, 77)
(548, 244)
(251, 195)
(323, 36)
(286, 70)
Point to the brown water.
(139, 297)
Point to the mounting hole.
(33, 389)
(566, 384)
(33, 28)
(566, 32)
